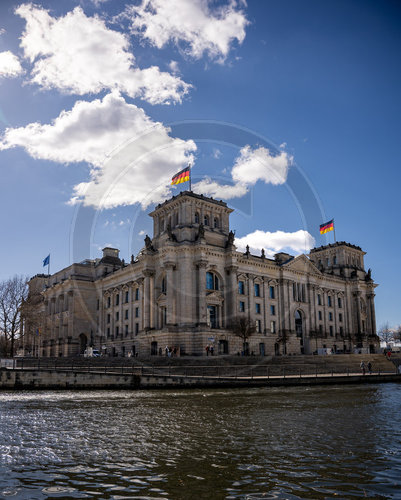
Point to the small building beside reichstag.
(189, 284)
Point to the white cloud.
(297, 242)
(217, 153)
(141, 232)
(202, 28)
(174, 68)
(140, 171)
(80, 55)
(251, 166)
(2, 31)
(9, 65)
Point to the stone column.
(251, 297)
(169, 267)
(371, 298)
(146, 299)
(231, 295)
(357, 296)
(202, 313)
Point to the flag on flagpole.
(326, 227)
(46, 261)
(182, 176)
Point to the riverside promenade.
(116, 373)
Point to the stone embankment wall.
(48, 379)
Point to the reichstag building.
(189, 285)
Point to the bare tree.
(12, 295)
(385, 332)
(397, 333)
(243, 327)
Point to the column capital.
(148, 273)
(201, 264)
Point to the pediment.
(302, 264)
(161, 297)
(214, 295)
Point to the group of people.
(368, 366)
(171, 351)
(209, 350)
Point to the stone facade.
(189, 284)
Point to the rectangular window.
(108, 332)
(241, 287)
(117, 316)
(257, 290)
(320, 329)
(340, 318)
(98, 304)
(242, 307)
(331, 331)
(363, 325)
(320, 315)
(126, 330)
(136, 328)
(108, 301)
(319, 299)
(329, 301)
(330, 316)
(341, 331)
(258, 325)
(257, 308)
(136, 293)
(273, 310)
(126, 296)
(117, 299)
(136, 312)
(126, 314)
(340, 303)
(271, 292)
(108, 318)
(335, 260)
(117, 331)
(273, 326)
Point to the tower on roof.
(189, 217)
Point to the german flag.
(182, 176)
(328, 226)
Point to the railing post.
(316, 371)
(284, 372)
(347, 372)
(332, 373)
(122, 369)
(300, 373)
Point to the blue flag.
(46, 261)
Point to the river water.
(318, 442)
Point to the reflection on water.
(320, 442)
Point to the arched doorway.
(83, 342)
(298, 324)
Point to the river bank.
(29, 379)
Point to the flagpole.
(334, 232)
(190, 180)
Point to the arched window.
(216, 222)
(212, 281)
(206, 220)
(196, 218)
(164, 286)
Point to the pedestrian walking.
(363, 368)
(211, 350)
(370, 368)
(207, 348)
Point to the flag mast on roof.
(183, 175)
(328, 226)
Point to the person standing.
(207, 350)
(363, 368)
(370, 368)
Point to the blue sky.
(288, 110)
